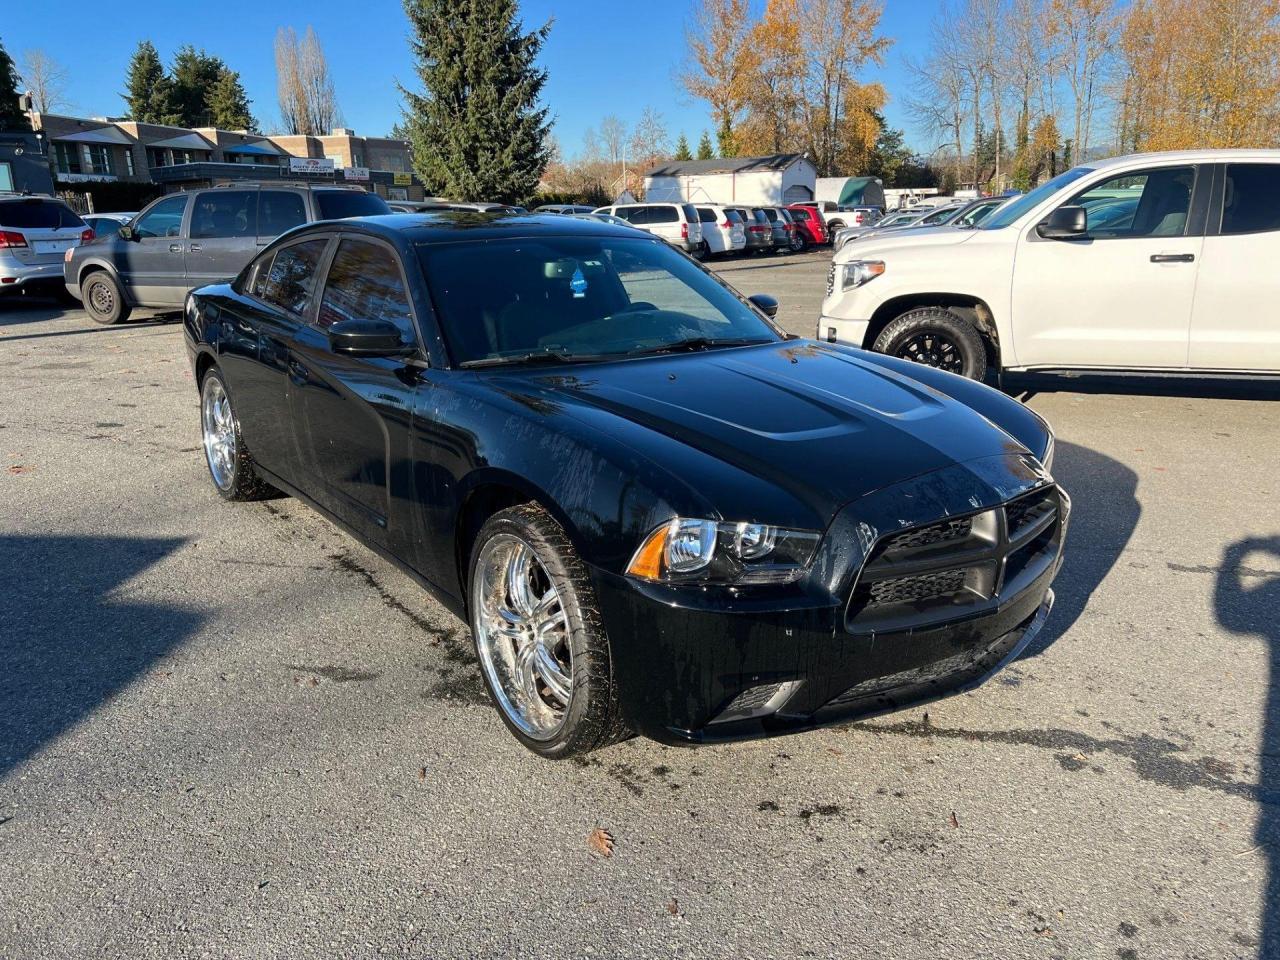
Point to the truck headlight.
(706, 551)
(858, 272)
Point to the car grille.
(948, 569)
(831, 279)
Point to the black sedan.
(658, 512)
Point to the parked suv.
(186, 240)
(809, 225)
(722, 229)
(1160, 263)
(35, 234)
(677, 223)
(783, 229)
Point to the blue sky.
(606, 56)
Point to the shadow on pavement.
(1246, 601)
(69, 644)
(1104, 514)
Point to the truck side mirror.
(1065, 223)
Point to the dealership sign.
(310, 165)
(356, 173)
(402, 179)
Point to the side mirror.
(360, 337)
(126, 233)
(765, 304)
(1065, 223)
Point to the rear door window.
(37, 214)
(162, 220)
(290, 280)
(1251, 201)
(278, 211)
(225, 213)
(364, 281)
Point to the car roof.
(451, 225)
(1184, 156)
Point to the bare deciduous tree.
(613, 137)
(303, 84)
(46, 79)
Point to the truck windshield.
(1013, 211)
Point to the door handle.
(1173, 258)
(194, 248)
(297, 372)
(175, 248)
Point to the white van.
(723, 229)
(677, 223)
(1160, 263)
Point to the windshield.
(578, 297)
(340, 204)
(1015, 208)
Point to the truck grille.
(949, 569)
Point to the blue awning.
(260, 149)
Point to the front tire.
(103, 300)
(539, 638)
(936, 337)
(231, 466)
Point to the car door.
(1120, 296)
(151, 263)
(1234, 322)
(223, 235)
(258, 328)
(353, 414)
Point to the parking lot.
(229, 730)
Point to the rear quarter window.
(668, 215)
(340, 204)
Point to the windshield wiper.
(697, 343)
(550, 355)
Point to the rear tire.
(522, 562)
(103, 300)
(936, 337)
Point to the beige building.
(85, 150)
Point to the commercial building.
(767, 181)
(95, 150)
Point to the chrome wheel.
(933, 350)
(219, 432)
(522, 636)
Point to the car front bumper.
(851, 333)
(703, 666)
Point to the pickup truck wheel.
(231, 466)
(938, 338)
(539, 637)
(103, 300)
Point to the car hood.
(811, 418)
(856, 248)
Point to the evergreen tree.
(11, 118)
(229, 105)
(476, 129)
(194, 75)
(149, 91)
(705, 150)
(724, 137)
(682, 148)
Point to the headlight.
(707, 551)
(858, 272)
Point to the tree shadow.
(68, 643)
(1104, 514)
(1246, 601)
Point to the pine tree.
(724, 137)
(705, 150)
(149, 91)
(229, 104)
(682, 148)
(11, 118)
(476, 129)
(194, 75)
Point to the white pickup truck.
(1162, 263)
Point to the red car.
(809, 223)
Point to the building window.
(66, 158)
(98, 160)
(157, 157)
(128, 160)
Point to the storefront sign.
(402, 179)
(310, 165)
(355, 173)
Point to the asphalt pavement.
(227, 730)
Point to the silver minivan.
(676, 223)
